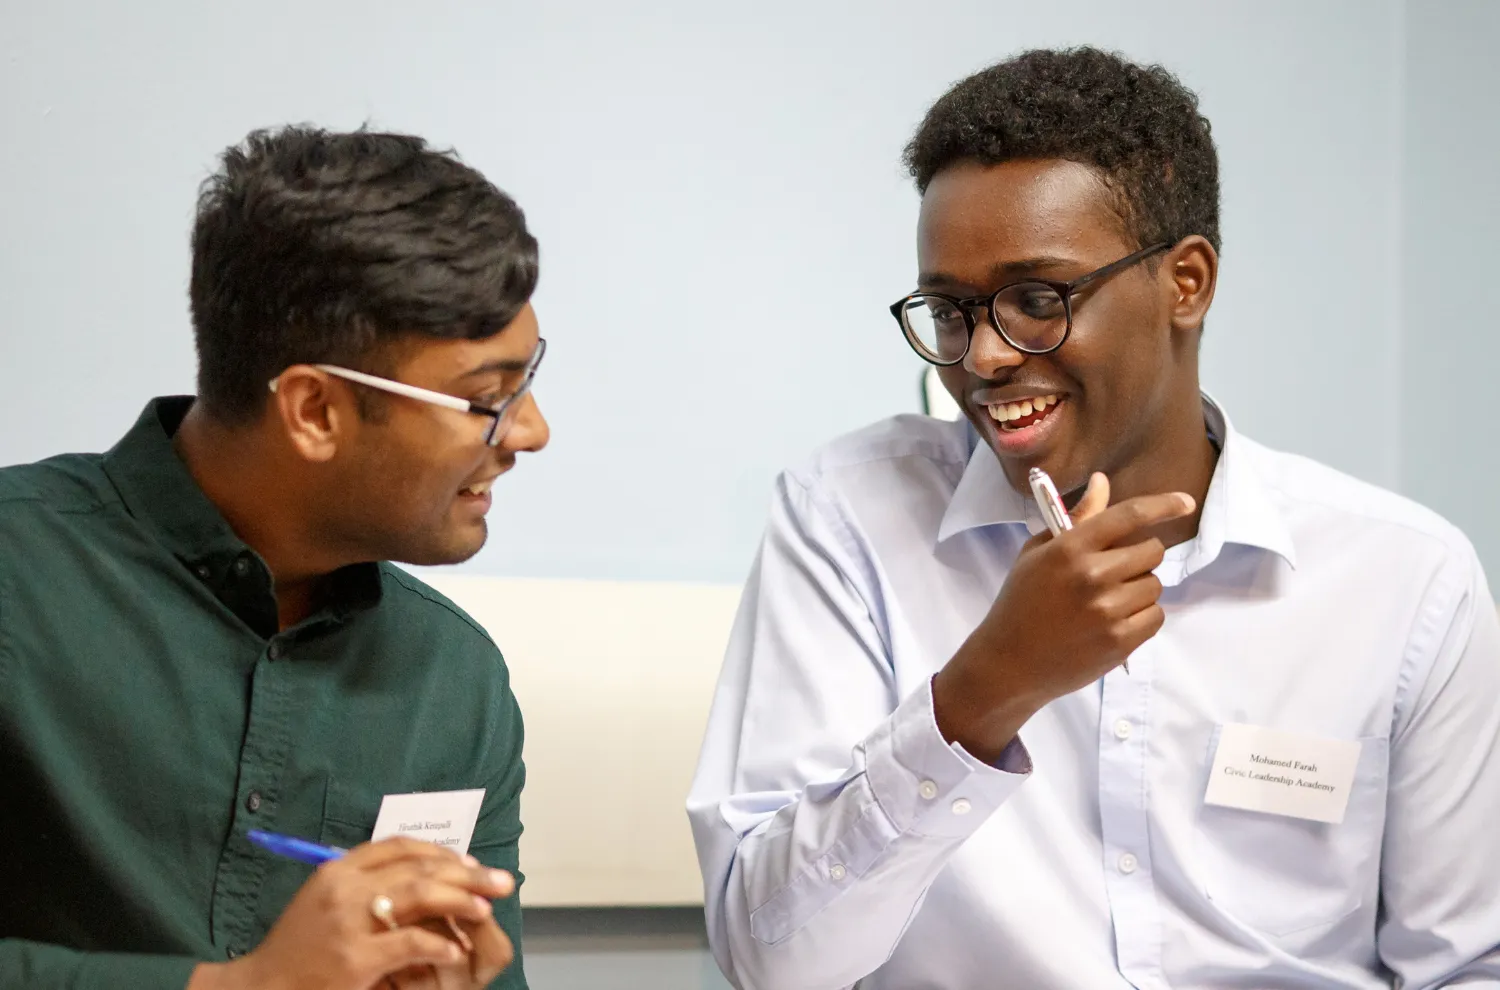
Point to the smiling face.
(1126, 376)
(414, 484)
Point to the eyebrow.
(491, 367)
(999, 274)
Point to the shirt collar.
(984, 496)
(1241, 509)
(160, 493)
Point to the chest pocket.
(349, 813)
(1282, 875)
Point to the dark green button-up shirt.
(151, 713)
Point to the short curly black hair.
(1137, 124)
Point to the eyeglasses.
(502, 417)
(1034, 316)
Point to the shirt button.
(233, 953)
(252, 802)
(203, 572)
(927, 789)
(1128, 864)
(1122, 729)
(962, 806)
(837, 871)
(276, 651)
(242, 567)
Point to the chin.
(449, 548)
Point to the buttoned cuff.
(925, 785)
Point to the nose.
(988, 352)
(530, 431)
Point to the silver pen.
(1054, 513)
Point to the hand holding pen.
(313, 854)
(359, 920)
(1080, 599)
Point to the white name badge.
(1282, 773)
(444, 818)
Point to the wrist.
(981, 714)
(208, 976)
(235, 975)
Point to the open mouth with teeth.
(477, 491)
(1013, 416)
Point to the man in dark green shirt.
(199, 632)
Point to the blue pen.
(314, 854)
(293, 848)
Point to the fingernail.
(470, 860)
(501, 879)
(481, 904)
(455, 952)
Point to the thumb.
(1095, 498)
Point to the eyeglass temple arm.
(396, 388)
(1111, 268)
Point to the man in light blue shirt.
(1296, 783)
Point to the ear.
(1191, 272)
(316, 413)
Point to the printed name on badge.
(444, 818)
(1282, 773)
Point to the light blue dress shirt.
(842, 840)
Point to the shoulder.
(413, 601)
(1324, 496)
(44, 504)
(892, 450)
(1361, 534)
(66, 483)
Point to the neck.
(1179, 458)
(235, 468)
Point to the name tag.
(1282, 773)
(444, 818)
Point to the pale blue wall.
(722, 214)
(1445, 392)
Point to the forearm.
(39, 966)
(814, 890)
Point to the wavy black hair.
(313, 246)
